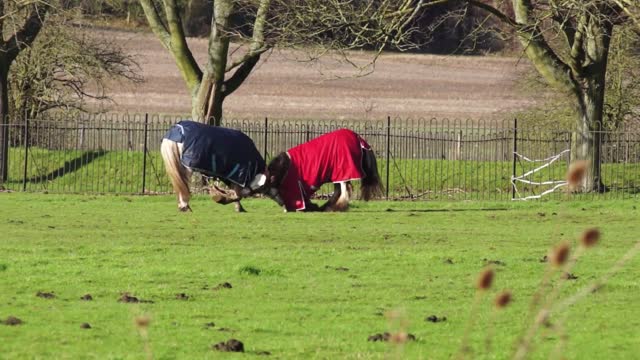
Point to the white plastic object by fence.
(548, 161)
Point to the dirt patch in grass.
(385, 336)
(128, 298)
(182, 296)
(494, 262)
(12, 321)
(224, 285)
(435, 319)
(45, 295)
(569, 276)
(85, 326)
(232, 345)
(86, 297)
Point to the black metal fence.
(417, 159)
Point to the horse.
(216, 152)
(338, 157)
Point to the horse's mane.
(277, 169)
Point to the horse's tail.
(177, 173)
(371, 183)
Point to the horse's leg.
(178, 174)
(184, 195)
(342, 204)
(239, 207)
(331, 203)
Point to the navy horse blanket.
(218, 152)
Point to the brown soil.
(85, 326)
(224, 285)
(45, 295)
(494, 262)
(182, 296)
(127, 298)
(435, 319)
(388, 337)
(12, 321)
(283, 86)
(232, 345)
(339, 268)
(87, 297)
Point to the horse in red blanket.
(338, 157)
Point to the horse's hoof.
(185, 209)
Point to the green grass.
(292, 295)
(121, 172)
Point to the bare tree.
(64, 68)
(568, 42)
(267, 24)
(21, 22)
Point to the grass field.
(304, 285)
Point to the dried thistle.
(485, 280)
(142, 322)
(577, 172)
(503, 299)
(400, 337)
(559, 255)
(590, 237)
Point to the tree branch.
(28, 31)
(257, 44)
(494, 11)
(155, 22)
(172, 37)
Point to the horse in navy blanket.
(338, 157)
(217, 152)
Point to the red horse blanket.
(333, 157)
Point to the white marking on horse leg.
(183, 201)
(184, 197)
(239, 207)
(343, 201)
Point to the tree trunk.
(4, 120)
(586, 141)
(206, 106)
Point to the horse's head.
(276, 171)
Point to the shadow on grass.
(440, 210)
(70, 166)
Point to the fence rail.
(421, 159)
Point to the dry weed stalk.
(560, 308)
(558, 259)
(576, 173)
(483, 284)
(142, 325)
(501, 301)
(398, 325)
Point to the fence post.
(26, 151)
(266, 133)
(515, 149)
(144, 155)
(388, 154)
